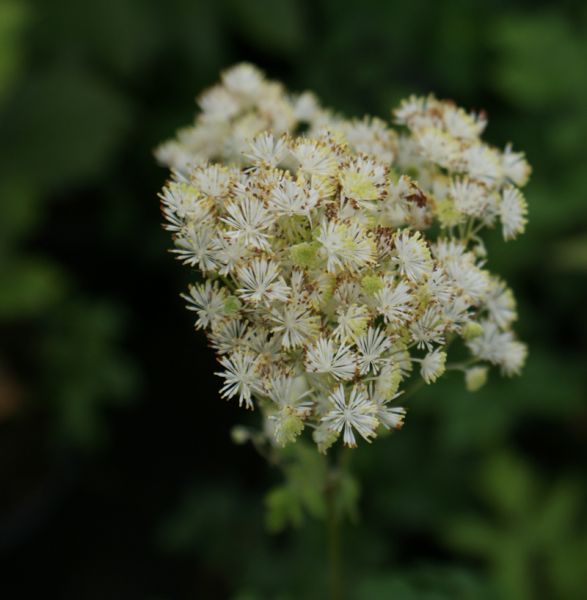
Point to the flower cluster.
(340, 261)
(242, 106)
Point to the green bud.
(232, 305)
(389, 381)
(324, 438)
(371, 284)
(447, 213)
(239, 434)
(471, 330)
(479, 250)
(289, 427)
(475, 378)
(304, 254)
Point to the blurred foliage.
(533, 542)
(481, 496)
(305, 474)
(310, 482)
(13, 19)
(425, 583)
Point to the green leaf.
(284, 508)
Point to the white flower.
(470, 197)
(513, 357)
(355, 413)
(438, 146)
(433, 365)
(345, 246)
(286, 390)
(391, 417)
(363, 179)
(196, 247)
(351, 321)
(181, 203)
(218, 104)
(412, 255)
(263, 343)
(244, 80)
(288, 420)
(266, 150)
(482, 163)
(456, 314)
(512, 212)
(229, 254)
(347, 292)
(306, 107)
(448, 250)
(371, 136)
(460, 124)
(207, 300)
(241, 377)
(289, 199)
(515, 167)
(213, 181)
(409, 109)
(229, 336)
(323, 357)
(248, 221)
(361, 250)
(439, 287)
(500, 303)
(314, 159)
(260, 282)
(499, 347)
(371, 346)
(176, 155)
(295, 323)
(332, 236)
(428, 329)
(468, 279)
(394, 302)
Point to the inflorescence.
(340, 257)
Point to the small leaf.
(283, 508)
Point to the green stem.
(334, 517)
(334, 540)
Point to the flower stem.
(334, 541)
(333, 516)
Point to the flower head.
(336, 259)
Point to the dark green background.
(117, 475)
